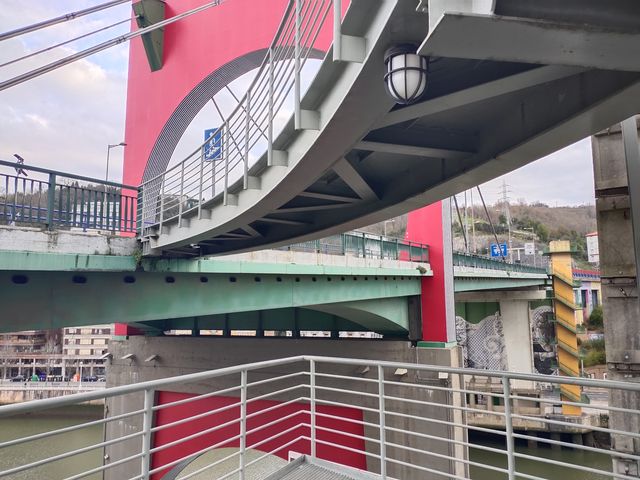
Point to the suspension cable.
(30, 75)
(62, 18)
(462, 227)
(493, 229)
(57, 45)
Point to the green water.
(32, 424)
(538, 468)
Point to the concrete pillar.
(616, 165)
(517, 338)
(189, 354)
(530, 442)
(577, 439)
(556, 437)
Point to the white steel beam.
(478, 93)
(312, 208)
(326, 196)
(411, 150)
(353, 179)
(509, 39)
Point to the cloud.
(64, 119)
(563, 178)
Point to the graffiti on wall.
(482, 343)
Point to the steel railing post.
(247, 131)
(381, 410)
(147, 422)
(243, 421)
(180, 199)
(226, 166)
(337, 33)
(200, 185)
(296, 73)
(506, 387)
(312, 386)
(270, 114)
(161, 205)
(51, 200)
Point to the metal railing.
(365, 245)
(34, 196)
(398, 420)
(461, 259)
(248, 132)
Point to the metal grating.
(305, 468)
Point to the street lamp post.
(109, 147)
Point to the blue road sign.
(213, 148)
(496, 253)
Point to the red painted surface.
(219, 437)
(124, 330)
(425, 225)
(194, 48)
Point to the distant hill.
(529, 222)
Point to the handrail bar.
(37, 405)
(66, 175)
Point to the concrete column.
(616, 165)
(517, 338)
(189, 354)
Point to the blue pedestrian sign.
(212, 148)
(499, 253)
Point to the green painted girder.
(34, 261)
(35, 300)
(472, 284)
(294, 319)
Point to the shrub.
(596, 321)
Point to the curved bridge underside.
(503, 90)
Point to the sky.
(65, 119)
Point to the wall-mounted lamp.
(152, 358)
(406, 75)
(106, 356)
(400, 372)
(128, 356)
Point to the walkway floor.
(304, 468)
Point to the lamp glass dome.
(406, 75)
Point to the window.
(595, 301)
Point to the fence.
(33, 196)
(365, 245)
(475, 261)
(397, 420)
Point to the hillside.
(529, 222)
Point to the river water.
(59, 418)
(537, 468)
(32, 424)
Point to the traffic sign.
(529, 248)
(499, 253)
(212, 148)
